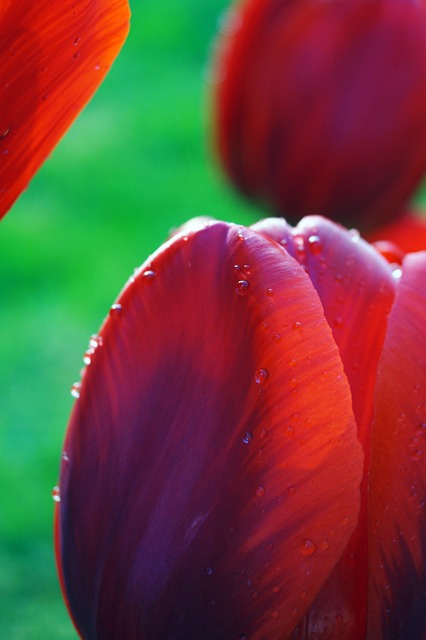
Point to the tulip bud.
(321, 106)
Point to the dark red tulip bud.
(320, 106)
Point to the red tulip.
(54, 55)
(245, 458)
(320, 106)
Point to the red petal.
(212, 469)
(408, 233)
(320, 106)
(54, 56)
(398, 471)
(356, 289)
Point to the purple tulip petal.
(210, 480)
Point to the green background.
(136, 163)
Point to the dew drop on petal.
(297, 326)
(56, 494)
(307, 547)
(324, 545)
(247, 438)
(242, 287)
(354, 234)
(314, 244)
(261, 376)
(209, 571)
(65, 456)
(95, 341)
(260, 491)
(269, 292)
(115, 310)
(75, 389)
(148, 276)
(397, 273)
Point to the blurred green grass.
(136, 163)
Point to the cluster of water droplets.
(95, 342)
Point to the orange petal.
(356, 288)
(54, 56)
(398, 471)
(211, 475)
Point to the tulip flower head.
(54, 55)
(319, 106)
(245, 457)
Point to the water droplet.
(97, 67)
(115, 310)
(307, 547)
(4, 133)
(397, 273)
(277, 338)
(338, 322)
(87, 358)
(417, 455)
(263, 434)
(354, 234)
(76, 55)
(237, 268)
(247, 438)
(76, 41)
(56, 494)
(65, 457)
(261, 376)
(260, 491)
(293, 383)
(289, 431)
(75, 389)
(269, 292)
(346, 521)
(148, 276)
(276, 589)
(264, 326)
(297, 326)
(324, 545)
(95, 341)
(242, 287)
(209, 571)
(314, 244)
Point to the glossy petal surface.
(54, 54)
(210, 480)
(398, 470)
(320, 106)
(357, 289)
